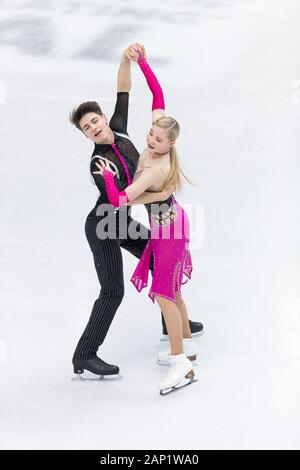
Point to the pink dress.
(169, 243)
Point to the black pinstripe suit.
(107, 252)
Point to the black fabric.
(119, 118)
(109, 267)
(160, 207)
(118, 123)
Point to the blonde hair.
(176, 175)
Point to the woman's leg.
(173, 321)
(186, 331)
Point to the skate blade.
(90, 377)
(167, 391)
(163, 363)
(182, 384)
(194, 335)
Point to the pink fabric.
(172, 258)
(129, 180)
(116, 198)
(153, 83)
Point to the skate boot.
(181, 373)
(97, 369)
(189, 348)
(196, 329)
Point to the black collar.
(106, 147)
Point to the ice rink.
(230, 72)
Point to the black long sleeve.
(119, 119)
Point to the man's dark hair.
(82, 109)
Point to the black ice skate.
(94, 369)
(196, 329)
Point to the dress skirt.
(169, 244)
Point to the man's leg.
(136, 246)
(109, 266)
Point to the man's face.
(95, 127)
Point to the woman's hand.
(103, 167)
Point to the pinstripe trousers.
(109, 267)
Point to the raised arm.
(158, 104)
(119, 118)
(124, 74)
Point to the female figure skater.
(169, 242)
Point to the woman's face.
(157, 140)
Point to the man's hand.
(132, 52)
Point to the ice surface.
(231, 76)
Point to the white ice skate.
(181, 373)
(190, 351)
